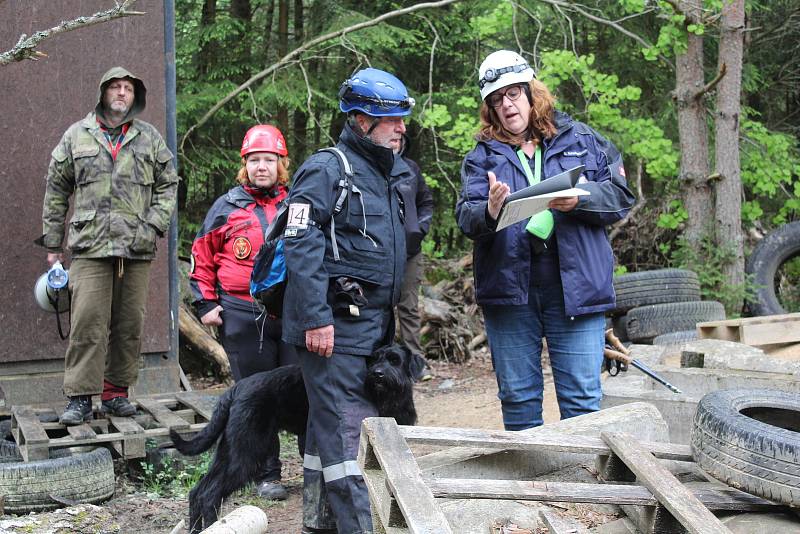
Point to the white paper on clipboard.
(524, 208)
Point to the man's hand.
(563, 204)
(53, 257)
(320, 340)
(212, 318)
(498, 191)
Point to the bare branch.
(25, 47)
(617, 227)
(308, 103)
(304, 47)
(429, 103)
(713, 83)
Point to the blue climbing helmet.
(376, 93)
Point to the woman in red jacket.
(222, 260)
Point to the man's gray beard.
(114, 108)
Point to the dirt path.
(460, 395)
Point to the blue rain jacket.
(502, 260)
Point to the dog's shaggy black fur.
(258, 406)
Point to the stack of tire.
(661, 307)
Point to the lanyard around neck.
(536, 176)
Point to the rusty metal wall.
(38, 101)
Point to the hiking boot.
(78, 410)
(272, 490)
(119, 406)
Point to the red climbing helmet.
(264, 138)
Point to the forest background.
(702, 97)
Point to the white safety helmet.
(500, 69)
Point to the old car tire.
(675, 338)
(655, 287)
(9, 452)
(645, 323)
(750, 439)
(765, 261)
(67, 475)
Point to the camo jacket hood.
(139, 96)
(120, 204)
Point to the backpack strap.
(344, 189)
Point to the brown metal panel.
(38, 101)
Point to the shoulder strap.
(345, 181)
(344, 187)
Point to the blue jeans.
(575, 345)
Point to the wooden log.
(676, 498)
(195, 334)
(244, 520)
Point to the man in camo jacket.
(120, 174)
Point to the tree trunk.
(193, 333)
(300, 118)
(283, 49)
(208, 47)
(692, 131)
(728, 200)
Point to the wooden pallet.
(766, 330)
(404, 500)
(186, 411)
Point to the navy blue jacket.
(418, 207)
(370, 238)
(502, 260)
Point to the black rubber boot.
(119, 406)
(78, 410)
(272, 490)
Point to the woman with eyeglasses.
(549, 277)
(222, 261)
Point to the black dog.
(257, 407)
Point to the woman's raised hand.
(498, 191)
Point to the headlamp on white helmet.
(501, 69)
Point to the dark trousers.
(408, 318)
(253, 344)
(109, 296)
(333, 487)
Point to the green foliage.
(770, 166)
(673, 218)
(708, 260)
(599, 75)
(173, 478)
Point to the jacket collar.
(563, 123)
(241, 197)
(90, 123)
(383, 158)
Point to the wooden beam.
(711, 495)
(202, 404)
(558, 524)
(163, 415)
(133, 444)
(403, 477)
(507, 440)
(669, 491)
(29, 434)
(83, 431)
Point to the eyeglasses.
(496, 99)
